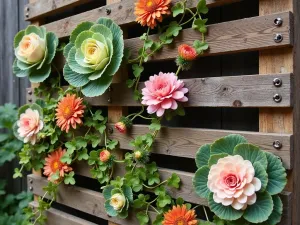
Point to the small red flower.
(187, 52)
(104, 156)
(121, 127)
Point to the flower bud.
(117, 201)
(187, 52)
(104, 156)
(121, 127)
(137, 154)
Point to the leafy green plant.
(93, 56)
(270, 178)
(35, 49)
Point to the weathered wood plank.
(121, 13)
(43, 8)
(244, 35)
(56, 217)
(92, 202)
(172, 141)
(236, 91)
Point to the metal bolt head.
(277, 82)
(278, 21)
(278, 38)
(30, 92)
(30, 100)
(277, 144)
(277, 98)
(110, 130)
(30, 188)
(30, 181)
(108, 11)
(109, 100)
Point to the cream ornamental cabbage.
(34, 50)
(117, 201)
(93, 56)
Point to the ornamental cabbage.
(34, 50)
(93, 56)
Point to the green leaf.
(34, 29)
(200, 46)
(151, 167)
(80, 28)
(214, 158)
(52, 43)
(107, 191)
(276, 174)
(130, 83)
(153, 178)
(203, 155)
(112, 144)
(137, 70)
(261, 209)
(252, 153)
(276, 214)
(101, 29)
(74, 65)
(201, 7)
(200, 182)
(109, 209)
(155, 125)
(227, 144)
(224, 212)
(174, 181)
(67, 49)
(66, 158)
(73, 78)
(18, 38)
(71, 147)
(163, 200)
(69, 178)
(82, 155)
(140, 202)
(39, 75)
(148, 43)
(177, 9)
(80, 142)
(97, 87)
(3, 137)
(142, 217)
(261, 174)
(128, 193)
(17, 173)
(173, 29)
(199, 24)
(159, 219)
(18, 72)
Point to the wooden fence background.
(12, 89)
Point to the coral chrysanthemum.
(162, 92)
(69, 111)
(54, 164)
(148, 12)
(179, 215)
(187, 52)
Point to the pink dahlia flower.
(29, 125)
(162, 92)
(233, 183)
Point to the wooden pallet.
(279, 121)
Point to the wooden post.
(284, 120)
(115, 112)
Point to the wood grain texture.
(172, 141)
(243, 35)
(43, 8)
(91, 202)
(56, 217)
(121, 13)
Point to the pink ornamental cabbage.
(233, 183)
(29, 125)
(162, 92)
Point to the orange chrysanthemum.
(187, 52)
(54, 164)
(69, 111)
(179, 215)
(150, 11)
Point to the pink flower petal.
(237, 205)
(166, 104)
(257, 183)
(249, 189)
(160, 112)
(178, 95)
(251, 199)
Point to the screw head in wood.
(278, 21)
(30, 181)
(110, 130)
(108, 11)
(27, 15)
(278, 38)
(109, 100)
(30, 100)
(30, 188)
(277, 82)
(277, 98)
(27, 8)
(277, 144)
(30, 92)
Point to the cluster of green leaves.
(9, 145)
(268, 169)
(39, 71)
(11, 207)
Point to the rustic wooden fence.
(246, 83)
(12, 89)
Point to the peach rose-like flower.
(162, 92)
(233, 183)
(104, 156)
(29, 125)
(31, 48)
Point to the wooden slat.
(43, 8)
(92, 202)
(244, 35)
(121, 13)
(56, 217)
(172, 141)
(236, 91)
